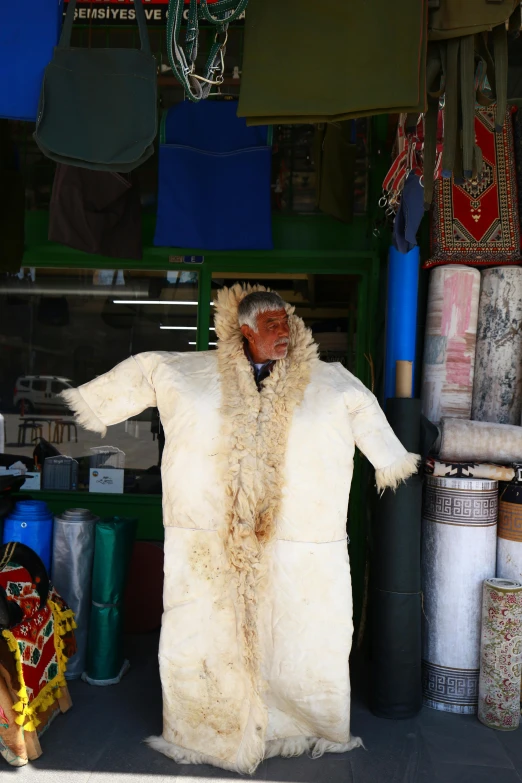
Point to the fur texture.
(398, 471)
(83, 414)
(287, 748)
(256, 425)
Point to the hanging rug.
(476, 222)
(37, 643)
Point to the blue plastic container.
(31, 523)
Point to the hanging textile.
(73, 554)
(451, 18)
(449, 342)
(297, 69)
(500, 654)
(28, 35)
(497, 388)
(335, 155)
(114, 541)
(97, 106)
(96, 211)
(214, 180)
(476, 222)
(458, 553)
(12, 202)
(479, 441)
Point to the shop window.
(110, 316)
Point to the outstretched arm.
(376, 439)
(124, 391)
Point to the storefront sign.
(121, 12)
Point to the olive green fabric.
(305, 62)
(335, 169)
(112, 553)
(455, 18)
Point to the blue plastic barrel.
(31, 523)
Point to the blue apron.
(29, 32)
(214, 180)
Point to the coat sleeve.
(124, 391)
(376, 439)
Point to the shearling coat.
(257, 622)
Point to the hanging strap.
(65, 38)
(451, 107)
(500, 43)
(467, 98)
(183, 63)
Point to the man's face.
(271, 339)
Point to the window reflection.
(61, 328)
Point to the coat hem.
(287, 748)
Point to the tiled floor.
(101, 741)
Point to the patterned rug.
(37, 643)
(477, 222)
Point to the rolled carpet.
(497, 388)
(459, 540)
(479, 441)
(500, 654)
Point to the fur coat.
(257, 623)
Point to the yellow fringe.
(63, 622)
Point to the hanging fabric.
(298, 68)
(335, 167)
(214, 180)
(476, 221)
(96, 211)
(98, 106)
(183, 60)
(29, 32)
(453, 18)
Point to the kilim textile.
(36, 643)
(483, 470)
(477, 222)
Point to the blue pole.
(401, 313)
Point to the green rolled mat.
(106, 663)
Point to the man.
(257, 622)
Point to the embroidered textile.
(477, 222)
(36, 643)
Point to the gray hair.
(258, 302)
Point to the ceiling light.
(152, 302)
(192, 328)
